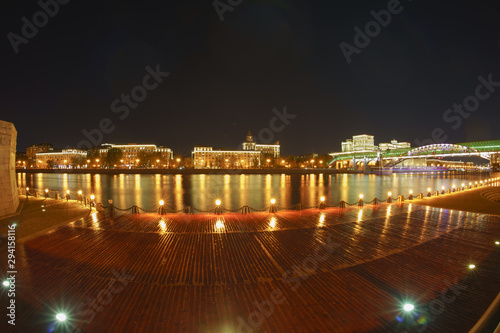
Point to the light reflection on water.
(202, 190)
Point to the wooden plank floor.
(335, 270)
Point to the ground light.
(217, 202)
(61, 317)
(408, 307)
(6, 283)
(472, 266)
(273, 201)
(497, 243)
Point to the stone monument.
(9, 199)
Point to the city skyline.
(188, 75)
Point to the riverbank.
(309, 271)
(36, 216)
(478, 200)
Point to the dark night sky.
(226, 77)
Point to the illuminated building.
(132, 152)
(268, 149)
(250, 157)
(209, 158)
(59, 159)
(394, 145)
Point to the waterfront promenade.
(342, 270)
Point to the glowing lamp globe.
(61, 317)
(408, 307)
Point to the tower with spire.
(249, 144)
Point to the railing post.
(111, 209)
(188, 210)
(272, 208)
(299, 206)
(342, 204)
(436, 193)
(375, 201)
(421, 195)
(389, 199)
(401, 198)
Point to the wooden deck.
(336, 270)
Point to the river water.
(201, 191)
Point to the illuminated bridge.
(489, 150)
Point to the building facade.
(266, 149)
(59, 159)
(363, 142)
(132, 152)
(251, 156)
(394, 145)
(205, 157)
(366, 143)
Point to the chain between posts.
(218, 209)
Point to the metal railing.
(90, 201)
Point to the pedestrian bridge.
(483, 149)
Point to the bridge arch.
(449, 147)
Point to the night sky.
(226, 77)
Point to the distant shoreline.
(186, 171)
(225, 171)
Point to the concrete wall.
(8, 184)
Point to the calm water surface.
(201, 191)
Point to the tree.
(114, 156)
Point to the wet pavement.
(333, 270)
